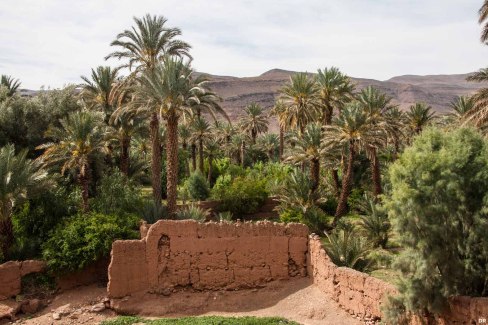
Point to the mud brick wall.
(356, 292)
(11, 274)
(207, 256)
(363, 295)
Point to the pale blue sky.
(53, 42)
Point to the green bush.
(84, 239)
(346, 247)
(437, 208)
(197, 187)
(243, 196)
(117, 194)
(314, 218)
(34, 220)
(375, 223)
(192, 212)
(151, 212)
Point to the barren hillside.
(436, 90)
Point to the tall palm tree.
(307, 149)
(376, 104)
(18, 177)
(148, 42)
(97, 91)
(212, 150)
(395, 122)
(144, 46)
(334, 90)
(419, 116)
(300, 97)
(461, 108)
(254, 122)
(167, 91)
(80, 137)
(351, 129)
(10, 83)
(278, 110)
(237, 147)
(483, 19)
(223, 131)
(201, 130)
(268, 143)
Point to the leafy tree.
(10, 83)
(307, 149)
(77, 142)
(19, 176)
(335, 89)
(437, 209)
(254, 122)
(144, 46)
(418, 117)
(166, 91)
(350, 129)
(300, 99)
(197, 186)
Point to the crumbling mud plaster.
(207, 256)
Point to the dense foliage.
(85, 238)
(438, 210)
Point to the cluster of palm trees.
(331, 123)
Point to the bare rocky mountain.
(435, 90)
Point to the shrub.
(151, 212)
(192, 212)
(243, 196)
(225, 216)
(375, 223)
(197, 187)
(34, 220)
(437, 208)
(314, 218)
(84, 239)
(117, 194)
(346, 247)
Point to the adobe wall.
(363, 295)
(11, 274)
(207, 256)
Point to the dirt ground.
(296, 300)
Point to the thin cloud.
(53, 42)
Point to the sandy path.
(296, 300)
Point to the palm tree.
(351, 129)
(237, 147)
(278, 110)
(80, 137)
(200, 131)
(254, 122)
(483, 19)
(307, 149)
(461, 108)
(300, 97)
(419, 116)
(212, 150)
(223, 131)
(97, 92)
(395, 121)
(18, 177)
(148, 42)
(144, 46)
(376, 104)
(10, 83)
(334, 90)
(167, 91)
(268, 143)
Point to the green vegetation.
(206, 320)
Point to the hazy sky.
(53, 42)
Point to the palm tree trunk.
(396, 150)
(156, 160)
(210, 160)
(375, 173)
(124, 156)
(270, 155)
(282, 143)
(243, 149)
(6, 230)
(172, 163)
(315, 173)
(337, 183)
(346, 185)
(187, 165)
(328, 113)
(193, 156)
(253, 136)
(200, 154)
(85, 184)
